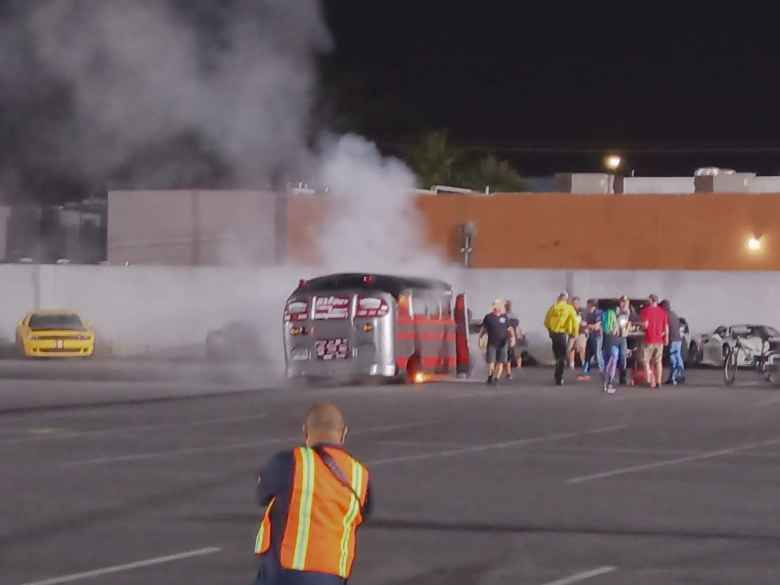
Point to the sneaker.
(611, 389)
(490, 380)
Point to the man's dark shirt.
(275, 481)
(674, 326)
(497, 329)
(594, 318)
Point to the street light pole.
(612, 162)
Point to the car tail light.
(296, 311)
(296, 330)
(368, 307)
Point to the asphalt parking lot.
(526, 483)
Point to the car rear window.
(63, 321)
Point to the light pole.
(612, 162)
(468, 232)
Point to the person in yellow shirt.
(562, 322)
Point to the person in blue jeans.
(611, 330)
(676, 363)
(595, 343)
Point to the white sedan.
(710, 348)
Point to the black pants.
(560, 343)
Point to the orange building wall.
(551, 230)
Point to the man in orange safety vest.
(315, 498)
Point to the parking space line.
(669, 462)
(492, 446)
(53, 434)
(218, 448)
(583, 576)
(767, 402)
(128, 567)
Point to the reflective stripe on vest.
(263, 539)
(323, 514)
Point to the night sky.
(549, 89)
(679, 89)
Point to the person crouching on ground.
(495, 326)
(561, 322)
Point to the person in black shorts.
(514, 358)
(495, 326)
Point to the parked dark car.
(236, 341)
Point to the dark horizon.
(547, 90)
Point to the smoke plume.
(178, 94)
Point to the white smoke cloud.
(140, 72)
(371, 223)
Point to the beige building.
(195, 228)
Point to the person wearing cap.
(495, 327)
(561, 322)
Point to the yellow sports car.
(44, 334)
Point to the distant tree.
(433, 159)
(492, 173)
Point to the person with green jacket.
(562, 322)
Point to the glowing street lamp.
(754, 244)
(612, 162)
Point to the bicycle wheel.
(730, 366)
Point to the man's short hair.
(654, 298)
(592, 301)
(563, 296)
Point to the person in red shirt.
(655, 323)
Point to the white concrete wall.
(765, 185)
(148, 308)
(706, 299)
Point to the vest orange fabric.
(263, 540)
(323, 517)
